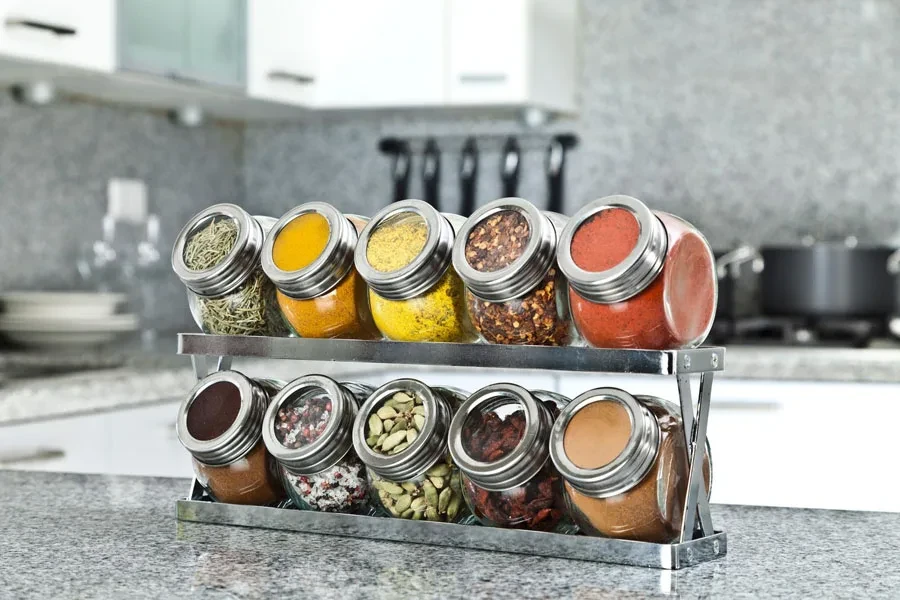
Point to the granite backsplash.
(760, 121)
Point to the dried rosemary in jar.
(216, 256)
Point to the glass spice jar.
(219, 423)
(404, 254)
(308, 429)
(624, 462)
(499, 439)
(637, 278)
(401, 436)
(308, 255)
(505, 253)
(216, 255)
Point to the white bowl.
(59, 305)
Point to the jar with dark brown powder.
(625, 465)
(219, 423)
(506, 255)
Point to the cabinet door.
(216, 41)
(153, 36)
(282, 62)
(488, 51)
(78, 34)
(387, 53)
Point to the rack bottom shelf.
(642, 554)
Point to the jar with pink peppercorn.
(308, 431)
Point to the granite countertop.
(76, 536)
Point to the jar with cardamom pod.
(505, 253)
(499, 439)
(308, 255)
(404, 255)
(637, 278)
(217, 257)
(401, 436)
(624, 463)
(308, 429)
(219, 423)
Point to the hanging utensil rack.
(487, 142)
(698, 541)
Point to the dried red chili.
(638, 278)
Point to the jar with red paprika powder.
(500, 441)
(637, 278)
(506, 255)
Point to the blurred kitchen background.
(764, 123)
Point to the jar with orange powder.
(308, 255)
(624, 463)
(637, 278)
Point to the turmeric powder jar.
(637, 278)
(404, 254)
(308, 255)
(624, 463)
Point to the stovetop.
(790, 331)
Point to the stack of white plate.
(63, 319)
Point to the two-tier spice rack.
(699, 542)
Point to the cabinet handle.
(48, 27)
(291, 77)
(31, 455)
(482, 78)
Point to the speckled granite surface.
(75, 536)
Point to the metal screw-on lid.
(337, 438)
(328, 269)
(635, 272)
(628, 468)
(241, 436)
(240, 262)
(425, 270)
(525, 460)
(523, 274)
(429, 446)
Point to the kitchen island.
(76, 536)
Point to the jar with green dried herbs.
(506, 255)
(401, 435)
(217, 257)
(404, 255)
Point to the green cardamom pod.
(453, 507)
(417, 515)
(403, 502)
(419, 421)
(381, 438)
(399, 425)
(392, 440)
(444, 500)
(388, 425)
(411, 436)
(376, 427)
(391, 488)
(419, 410)
(431, 494)
(386, 412)
(371, 441)
(419, 504)
(437, 481)
(400, 447)
(432, 514)
(407, 514)
(409, 486)
(438, 470)
(401, 397)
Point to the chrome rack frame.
(698, 541)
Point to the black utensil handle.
(468, 173)
(556, 158)
(509, 167)
(431, 173)
(60, 30)
(400, 172)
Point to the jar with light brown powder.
(624, 464)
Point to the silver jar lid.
(425, 270)
(525, 460)
(631, 276)
(337, 438)
(328, 269)
(243, 433)
(524, 273)
(237, 265)
(628, 468)
(428, 447)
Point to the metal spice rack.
(698, 541)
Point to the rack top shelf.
(649, 362)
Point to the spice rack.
(699, 541)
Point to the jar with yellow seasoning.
(404, 254)
(308, 255)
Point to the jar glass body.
(342, 312)
(435, 495)
(652, 510)
(675, 311)
(252, 479)
(539, 318)
(342, 488)
(438, 315)
(251, 309)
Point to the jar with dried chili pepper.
(499, 438)
(308, 255)
(637, 278)
(506, 255)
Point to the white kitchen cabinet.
(513, 52)
(59, 32)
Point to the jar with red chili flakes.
(637, 278)
(505, 253)
(308, 430)
(499, 439)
